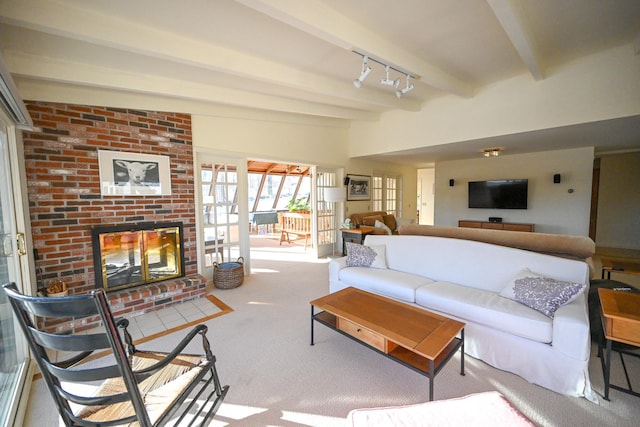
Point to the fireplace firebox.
(129, 255)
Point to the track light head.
(388, 82)
(363, 75)
(408, 88)
(358, 82)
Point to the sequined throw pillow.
(366, 256)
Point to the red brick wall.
(64, 191)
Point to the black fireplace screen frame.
(139, 268)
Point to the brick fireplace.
(65, 201)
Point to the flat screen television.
(499, 194)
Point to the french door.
(224, 218)
(14, 360)
(329, 214)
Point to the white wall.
(551, 207)
(598, 87)
(289, 141)
(618, 224)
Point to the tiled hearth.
(144, 299)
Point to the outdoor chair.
(96, 379)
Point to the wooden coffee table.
(416, 338)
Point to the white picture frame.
(133, 174)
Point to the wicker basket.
(228, 275)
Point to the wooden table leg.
(312, 325)
(462, 353)
(431, 378)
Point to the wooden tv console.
(509, 226)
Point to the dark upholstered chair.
(128, 385)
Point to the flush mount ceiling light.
(491, 152)
(363, 75)
(408, 88)
(387, 81)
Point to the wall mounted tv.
(499, 194)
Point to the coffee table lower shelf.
(424, 366)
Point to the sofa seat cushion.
(390, 283)
(486, 308)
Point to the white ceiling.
(296, 56)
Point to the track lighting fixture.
(491, 152)
(363, 75)
(407, 88)
(388, 82)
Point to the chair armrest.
(571, 334)
(199, 329)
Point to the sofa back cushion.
(358, 218)
(370, 220)
(470, 263)
(390, 221)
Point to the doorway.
(426, 196)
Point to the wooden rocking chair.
(132, 387)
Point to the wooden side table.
(610, 265)
(354, 235)
(620, 314)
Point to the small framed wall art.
(359, 187)
(134, 174)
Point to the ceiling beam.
(133, 36)
(319, 20)
(48, 69)
(515, 23)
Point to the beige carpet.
(278, 379)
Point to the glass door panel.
(13, 356)
(221, 207)
(329, 214)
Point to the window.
(376, 193)
(391, 195)
(269, 191)
(385, 193)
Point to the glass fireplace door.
(132, 255)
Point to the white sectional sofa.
(463, 279)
